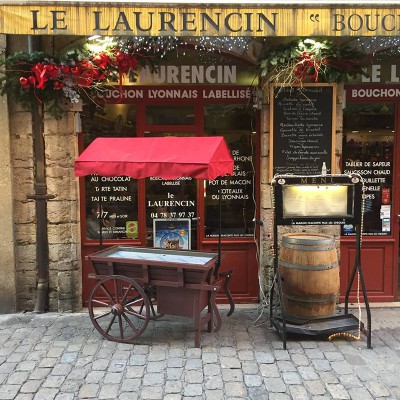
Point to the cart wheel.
(151, 293)
(125, 309)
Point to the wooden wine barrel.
(309, 272)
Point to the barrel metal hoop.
(303, 300)
(298, 240)
(308, 267)
(308, 248)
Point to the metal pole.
(40, 196)
(220, 220)
(101, 216)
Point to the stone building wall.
(24, 210)
(266, 210)
(62, 212)
(7, 239)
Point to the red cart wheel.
(124, 308)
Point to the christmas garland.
(309, 60)
(83, 72)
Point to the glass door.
(369, 141)
(171, 205)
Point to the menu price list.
(302, 129)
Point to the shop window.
(236, 124)
(110, 202)
(171, 205)
(368, 150)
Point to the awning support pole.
(100, 216)
(219, 226)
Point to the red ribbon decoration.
(84, 73)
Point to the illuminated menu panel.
(315, 201)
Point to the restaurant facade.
(207, 82)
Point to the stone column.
(63, 214)
(266, 212)
(7, 241)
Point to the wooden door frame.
(197, 129)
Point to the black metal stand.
(321, 326)
(318, 326)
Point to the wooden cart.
(138, 284)
(135, 285)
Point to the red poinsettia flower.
(65, 69)
(75, 70)
(102, 60)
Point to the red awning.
(164, 157)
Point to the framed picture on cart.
(172, 233)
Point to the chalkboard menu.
(302, 129)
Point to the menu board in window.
(302, 129)
(112, 203)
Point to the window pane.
(220, 118)
(368, 150)
(115, 120)
(235, 123)
(170, 115)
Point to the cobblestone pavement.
(61, 356)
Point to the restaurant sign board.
(133, 19)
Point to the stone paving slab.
(61, 356)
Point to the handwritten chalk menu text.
(302, 131)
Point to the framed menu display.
(302, 139)
(318, 200)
